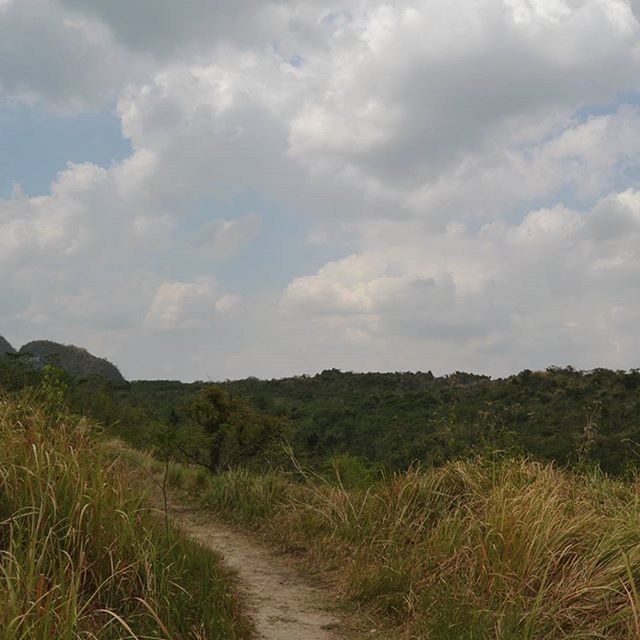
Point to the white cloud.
(54, 226)
(165, 28)
(430, 86)
(222, 238)
(587, 157)
(228, 303)
(464, 150)
(152, 231)
(355, 284)
(560, 279)
(182, 305)
(401, 110)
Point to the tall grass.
(80, 555)
(484, 549)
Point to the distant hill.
(5, 347)
(76, 361)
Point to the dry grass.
(80, 555)
(484, 549)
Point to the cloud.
(584, 159)
(398, 111)
(51, 226)
(560, 278)
(423, 88)
(461, 177)
(355, 284)
(107, 303)
(222, 238)
(164, 28)
(182, 305)
(58, 60)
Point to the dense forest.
(397, 419)
(382, 420)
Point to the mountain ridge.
(76, 361)
(5, 346)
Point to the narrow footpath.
(282, 605)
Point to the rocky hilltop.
(76, 361)
(5, 347)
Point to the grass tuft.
(80, 554)
(485, 549)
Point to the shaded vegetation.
(5, 347)
(396, 419)
(234, 433)
(75, 361)
(405, 417)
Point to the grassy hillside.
(80, 554)
(486, 549)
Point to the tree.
(215, 411)
(237, 434)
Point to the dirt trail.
(281, 604)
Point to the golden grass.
(80, 554)
(483, 549)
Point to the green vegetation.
(5, 347)
(399, 418)
(77, 362)
(80, 554)
(453, 507)
(396, 419)
(234, 433)
(387, 420)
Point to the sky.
(204, 190)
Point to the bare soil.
(281, 603)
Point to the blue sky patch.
(35, 146)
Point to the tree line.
(376, 420)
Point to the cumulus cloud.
(224, 238)
(398, 110)
(355, 284)
(423, 90)
(479, 159)
(182, 305)
(558, 277)
(58, 60)
(52, 226)
(585, 158)
(164, 27)
(87, 246)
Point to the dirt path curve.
(281, 604)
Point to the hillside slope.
(5, 347)
(76, 361)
